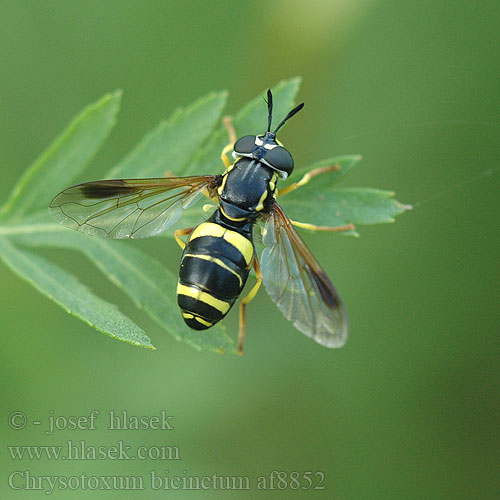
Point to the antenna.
(288, 116)
(269, 109)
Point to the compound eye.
(280, 159)
(245, 145)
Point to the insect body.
(219, 252)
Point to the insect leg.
(307, 177)
(182, 232)
(313, 227)
(232, 139)
(245, 301)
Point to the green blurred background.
(409, 408)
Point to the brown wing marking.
(128, 208)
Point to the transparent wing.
(128, 208)
(298, 285)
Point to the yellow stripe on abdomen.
(197, 294)
(238, 241)
(217, 261)
(186, 315)
(207, 229)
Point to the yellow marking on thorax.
(217, 261)
(236, 219)
(238, 241)
(223, 185)
(272, 182)
(224, 178)
(272, 187)
(260, 205)
(196, 293)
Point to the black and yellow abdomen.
(214, 269)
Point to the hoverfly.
(220, 252)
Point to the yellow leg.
(223, 155)
(182, 232)
(307, 177)
(232, 139)
(243, 305)
(313, 227)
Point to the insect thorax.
(247, 188)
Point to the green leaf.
(64, 289)
(252, 119)
(171, 144)
(341, 206)
(184, 145)
(146, 281)
(65, 158)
